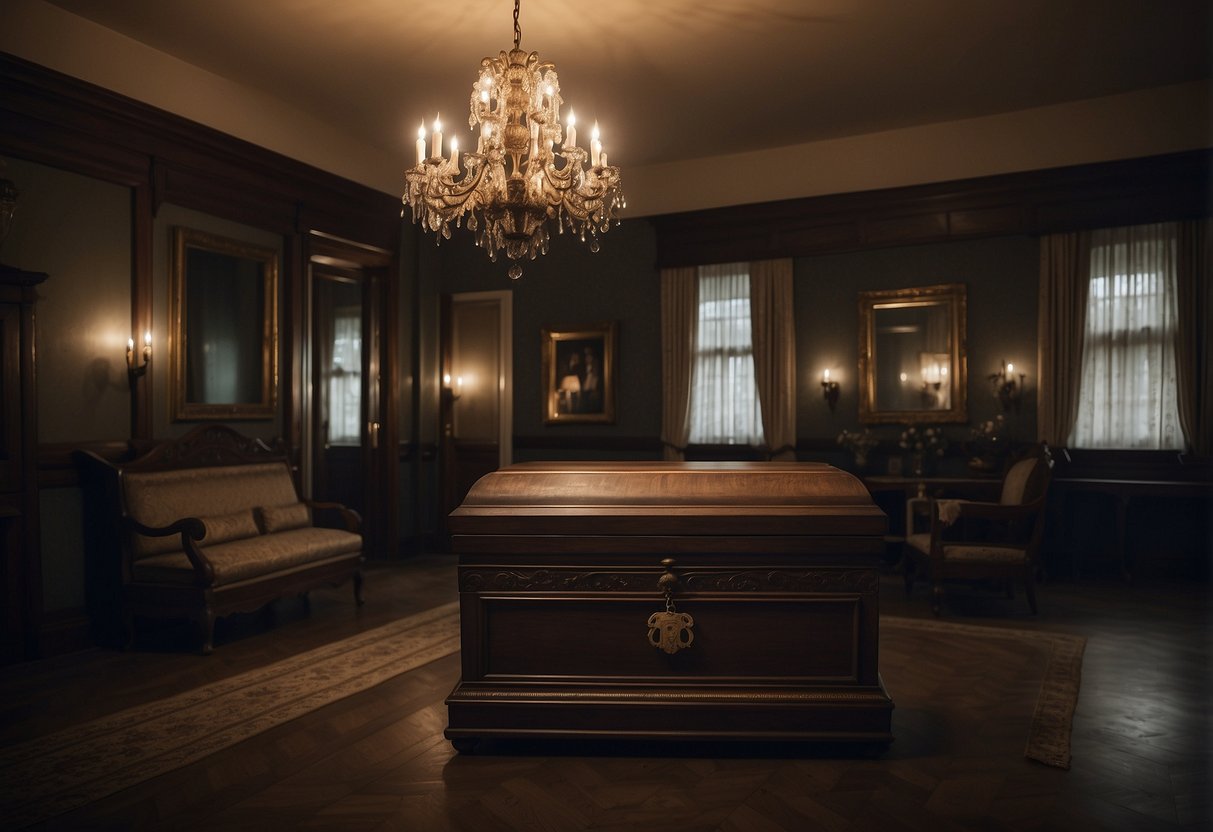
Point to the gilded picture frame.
(913, 366)
(579, 374)
(223, 316)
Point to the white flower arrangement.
(928, 440)
(990, 431)
(856, 442)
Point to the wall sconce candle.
(1008, 393)
(136, 369)
(829, 390)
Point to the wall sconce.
(453, 391)
(829, 390)
(136, 369)
(1006, 390)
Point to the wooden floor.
(377, 760)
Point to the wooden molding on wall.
(1107, 194)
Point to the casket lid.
(708, 498)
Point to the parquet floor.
(377, 760)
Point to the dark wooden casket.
(564, 566)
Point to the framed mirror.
(224, 328)
(912, 366)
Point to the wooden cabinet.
(20, 581)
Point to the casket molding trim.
(468, 693)
(749, 580)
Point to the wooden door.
(477, 396)
(348, 453)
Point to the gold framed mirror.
(224, 322)
(912, 364)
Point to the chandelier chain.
(517, 28)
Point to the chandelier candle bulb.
(421, 143)
(570, 137)
(595, 146)
(436, 145)
(454, 153)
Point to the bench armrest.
(192, 530)
(351, 518)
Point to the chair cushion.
(274, 519)
(984, 554)
(241, 560)
(1015, 486)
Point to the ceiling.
(679, 79)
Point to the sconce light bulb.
(826, 375)
(446, 378)
(1010, 368)
(130, 344)
(147, 338)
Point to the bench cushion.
(159, 498)
(224, 527)
(242, 560)
(273, 519)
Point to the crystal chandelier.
(515, 181)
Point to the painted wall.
(572, 287)
(1000, 276)
(78, 231)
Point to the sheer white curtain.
(724, 395)
(1128, 392)
(774, 331)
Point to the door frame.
(377, 267)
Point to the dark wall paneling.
(58, 120)
(1169, 187)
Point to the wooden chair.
(975, 541)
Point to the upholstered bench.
(211, 524)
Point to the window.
(345, 379)
(1128, 390)
(724, 396)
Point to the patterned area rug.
(51, 775)
(1049, 737)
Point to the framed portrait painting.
(579, 374)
